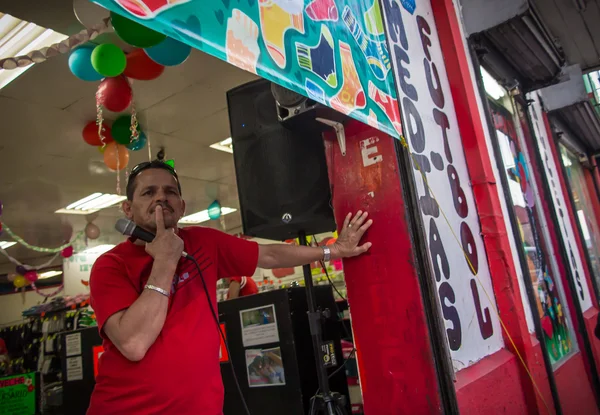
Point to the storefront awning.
(513, 31)
(569, 101)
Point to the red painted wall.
(395, 359)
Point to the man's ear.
(126, 206)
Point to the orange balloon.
(114, 152)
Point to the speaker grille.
(279, 171)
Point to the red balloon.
(115, 94)
(90, 134)
(141, 67)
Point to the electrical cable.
(214, 314)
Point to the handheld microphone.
(129, 228)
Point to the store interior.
(47, 167)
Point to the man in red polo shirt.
(160, 340)
(241, 287)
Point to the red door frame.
(397, 365)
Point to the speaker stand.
(325, 401)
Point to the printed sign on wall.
(560, 207)
(431, 129)
(333, 51)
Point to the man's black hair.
(154, 164)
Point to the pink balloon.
(11, 277)
(31, 276)
(67, 252)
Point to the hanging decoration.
(19, 281)
(121, 130)
(134, 33)
(41, 55)
(92, 231)
(116, 156)
(67, 252)
(108, 59)
(31, 276)
(139, 144)
(169, 52)
(20, 240)
(115, 94)
(92, 137)
(80, 64)
(141, 67)
(214, 210)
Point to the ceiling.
(45, 164)
(575, 24)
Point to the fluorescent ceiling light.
(98, 250)
(18, 38)
(202, 216)
(50, 274)
(492, 87)
(6, 244)
(225, 145)
(92, 203)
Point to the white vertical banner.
(431, 130)
(567, 231)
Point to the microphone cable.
(216, 319)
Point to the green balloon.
(134, 33)
(121, 130)
(109, 60)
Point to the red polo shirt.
(247, 285)
(180, 373)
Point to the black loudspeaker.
(286, 332)
(281, 172)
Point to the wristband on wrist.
(326, 253)
(157, 289)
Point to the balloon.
(214, 210)
(116, 154)
(115, 94)
(11, 277)
(169, 52)
(139, 144)
(134, 33)
(31, 276)
(67, 252)
(20, 281)
(80, 63)
(90, 134)
(121, 129)
(88, 13)
(92, 231)
(108, 60)
(141, 67)
(21, 269)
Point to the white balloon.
(89, 14)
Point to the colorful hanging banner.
(332, 51)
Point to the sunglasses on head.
(168, 165)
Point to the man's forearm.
(285, 256)
(140, 325)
